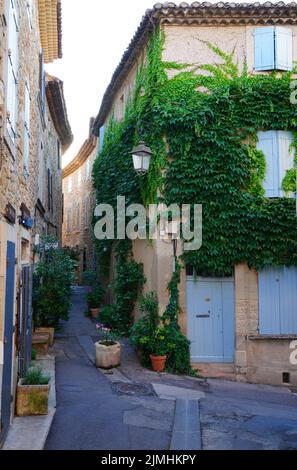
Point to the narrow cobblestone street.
(92, 416)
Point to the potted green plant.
(108, 349)
(94, 299)
(32, 393)
(52, 281)
(157, 344)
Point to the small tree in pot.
(108, 349)
(157, 344)
(95, 299)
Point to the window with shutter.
(59, 155)
(78, 217)
(283, 48)
(42, 83)
(273, 48)
(278, 301)
(30, 12)
(276, 146)
(68, 220)
(264, 48)
(86, 212)
(101, 137)
(49, 199)
(69, 184)
(27, 130)
(12, 69)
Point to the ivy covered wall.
(201, 126)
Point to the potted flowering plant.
(108, 349)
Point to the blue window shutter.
(269, 302)
(101, 137)
(278, 301)
(268, 144)
(288, 301)
(283, 48)
(264, 48)
(286, 156)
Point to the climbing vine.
(202, 126)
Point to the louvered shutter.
(286, 155)
(101, 137)
(283, 48)
(42, 82)
(268, 144)
(264, 48)
(12, 69)
(27, 128)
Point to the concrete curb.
(30, 433)
(186, 433)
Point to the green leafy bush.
(157, 335)
(96, 296)
(52, 280)
(128, 282)
(36, 376)
(33, 354)
(146, 325)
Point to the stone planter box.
(32, 400)
(40, 342)
(47, 330)
(108, 357)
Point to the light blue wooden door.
(210, 308)
(278, 301)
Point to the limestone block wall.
(18, 186)
(79, 205)
(187, 44)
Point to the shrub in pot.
(157, 345)
(94, 299)
(108, 349)
(32, 393)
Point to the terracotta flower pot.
(108, 357)
(158, 362)
(95, 312)
(32, 400)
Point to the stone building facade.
(33, 135)
(79, 204)
(259, 353)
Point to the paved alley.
(89, 416)
(95, 410)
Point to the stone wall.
(79, 205)
(18, 186)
